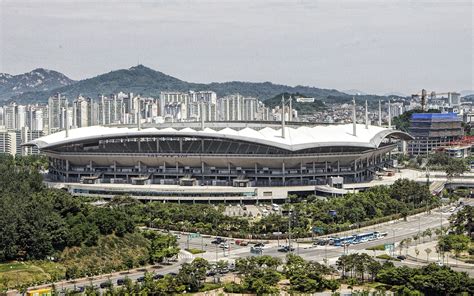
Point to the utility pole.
(289, 229)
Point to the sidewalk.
(432, 255)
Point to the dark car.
(141, 279)
(259, 245)
(120, 282)
(105, 285)
(218, 241)
(79, 289)
(158, 276)
(211, 273)
(401, 257)
(173, 273)
(286, 249)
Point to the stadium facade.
(221, 154)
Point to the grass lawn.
(195, 251)
(377, 248)
(13, 274)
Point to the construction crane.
(424, 95)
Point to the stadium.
(219, 160)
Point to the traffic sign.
(389, 248)
(194, 235)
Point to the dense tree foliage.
(308, 276)
(430, 279)
(36, 221)
(330, 215)
(462, 222)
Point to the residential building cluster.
(22, 123)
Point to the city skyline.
(368, 46)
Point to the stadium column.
(283, 172)
(314, 170)
(355, 170)
(67, 170)
(115, 169)
(202, 171)
(256, 172)
(301, 173)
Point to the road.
(396, 230)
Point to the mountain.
(148, 82)
(34, 81)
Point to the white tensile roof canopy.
(296, 137)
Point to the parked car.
(401, 257)
(259, 245)
(141, 279)
(158, 276)
(105, 285)
(120, 282)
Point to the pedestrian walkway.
(427, 253)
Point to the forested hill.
(148, 82)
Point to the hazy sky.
(374, 46)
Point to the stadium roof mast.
(202, 113)
(66, 119)
(380, 113)
(354, 118)
(290, 113)
(139, 118)
(389, 115)
(366, 116)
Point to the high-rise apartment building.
(57, 107)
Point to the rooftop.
(296, 137)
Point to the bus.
(364, 237)
(378, 235)
(345, 240)
(40, 292)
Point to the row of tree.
(262, 275)
(330, 215)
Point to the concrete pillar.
(354, 118)
(283, 172)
